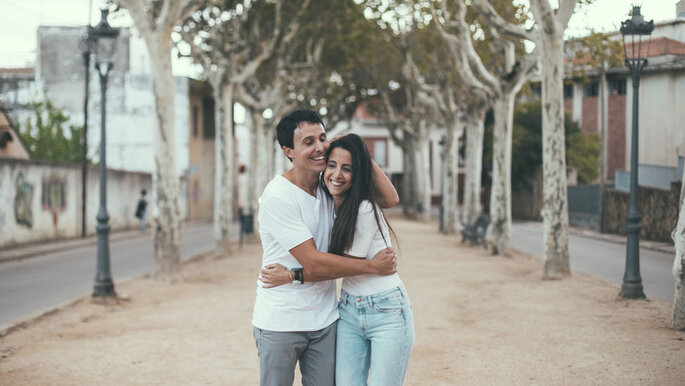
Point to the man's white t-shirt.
(368, 241)
(289, 216)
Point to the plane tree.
(231, 39)
(500, 81)
(155, 20)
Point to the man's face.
(309, 147)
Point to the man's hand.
(385, 262)
(274, 275)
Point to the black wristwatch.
(299, 275)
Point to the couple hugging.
(319, 221)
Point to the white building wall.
(672, 30)
(131, 117)
(661, 118)
(29, 213)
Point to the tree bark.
(423, 174)
(554, 190)
(223, 178)
(450, 203)
(155, 26)
(167, 222)
(257, 167)
(551, 25)
(678, 236)
(475, 131)
(500, 197)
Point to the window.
(195, 121)
(591, 89)
(568, 91)
(617, 86)
(208, 117)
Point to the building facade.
(602, 103)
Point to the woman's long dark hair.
(362, 187)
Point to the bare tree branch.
(486, 9)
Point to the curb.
(611, 238)
(650, 245)
(34, 249)
(27, 321)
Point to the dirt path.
(480, 319)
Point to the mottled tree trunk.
(678, 317)
(223, 177)
(423, 175)
(500, 198)
(475, 129)
(409, 195)
(450, 201)
(256, 168)
(554, 203)
(167, 222)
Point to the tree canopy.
(47, 136)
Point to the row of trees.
(417, 65)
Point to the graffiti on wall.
(53, 196)
(23, 213)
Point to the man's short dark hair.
(286, 127)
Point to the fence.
(584, 206)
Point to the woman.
(375, 332)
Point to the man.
(296, 322)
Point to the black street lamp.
(85, 46)
(103, 40)
(633, 29)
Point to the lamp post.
(633, 29)
(84, 47)
(103, 40)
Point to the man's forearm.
(328, 266)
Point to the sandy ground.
(480, 319)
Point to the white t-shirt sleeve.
(364, 232)
(281, 218)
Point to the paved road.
(604, 259)
(31, 285)
(34, 284)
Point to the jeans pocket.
(392, 305)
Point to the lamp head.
(103, 39)
(633, 29)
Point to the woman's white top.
(367, 242)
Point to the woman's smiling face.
(338, 173)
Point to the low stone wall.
(659, 209)
(41, 201)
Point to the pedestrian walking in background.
(141, 209)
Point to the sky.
(19, 20)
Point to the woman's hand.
(385, 262)
(274, 275)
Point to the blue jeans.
(143, 220)
(375, 337)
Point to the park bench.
(475, 232)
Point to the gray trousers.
(280, 351)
